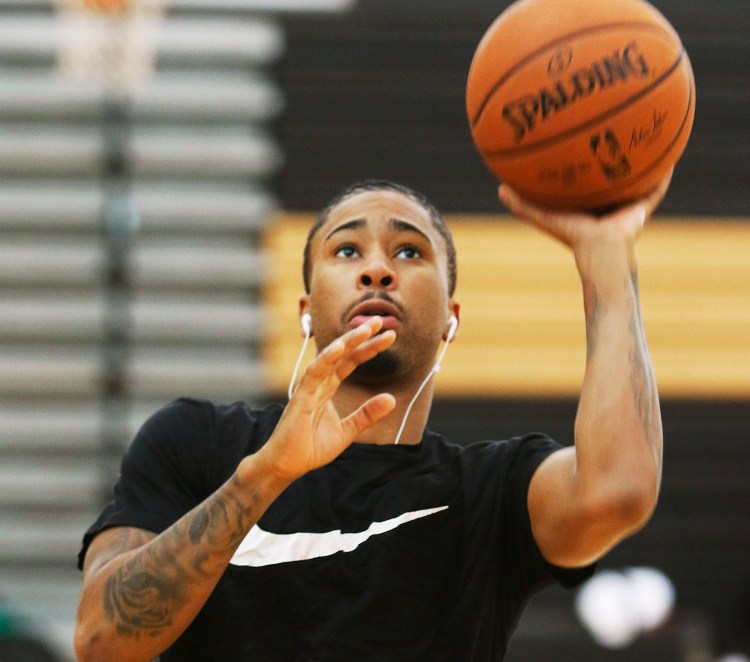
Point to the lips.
(362, 312)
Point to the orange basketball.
(580, 104)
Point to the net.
(109, 43)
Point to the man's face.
(378, 253)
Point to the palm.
(315, 437)
(311, 432)
(576, 228)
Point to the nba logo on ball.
(580, 104)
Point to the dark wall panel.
(700, 533)
(380, 92)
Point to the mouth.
(390, 313)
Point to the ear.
(454, 310)
(304, 310)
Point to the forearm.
(618, 427)
(136, 605)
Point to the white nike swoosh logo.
(260, 548)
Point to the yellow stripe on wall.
(522, 326)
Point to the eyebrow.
(349, 225)
(404, 226)
(394, 224)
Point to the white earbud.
(453, 321)
(306, 322)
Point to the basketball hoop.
(109, 43)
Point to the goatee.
(380, 369)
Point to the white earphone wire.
(435, 369)
(306, 327)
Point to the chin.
(381, 369)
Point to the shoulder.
(500, 471)
(239, 419)
(203, 418)
(188, 429)
(530, 448)
(181, 409)
(512, 454)
(492, 466)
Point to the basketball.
(580, 104)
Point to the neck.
(351, 396)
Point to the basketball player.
(338, 527)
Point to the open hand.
(310, 432)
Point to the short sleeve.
(522, 552)
(163, 472)
(497, 478)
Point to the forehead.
(377, 207)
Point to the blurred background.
(151, 227)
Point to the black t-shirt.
(409, 553)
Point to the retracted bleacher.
(96, 334)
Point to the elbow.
(618, 508)
(643, 496)
(630, 495)
(99, 639)
(631, 507)
(91, 643)
(85, 644)
(637, 508)
(90, 636)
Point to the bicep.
(574, 524)
(564, 525)
(549, 505)
(110, 544)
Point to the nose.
(377, 272)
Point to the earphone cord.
(297, 365)
(430, 374)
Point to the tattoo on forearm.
(592, 310)
(198, 525)
(642, 382)
(140, 601)
(642, 379)
(641, 376)
(144, 594)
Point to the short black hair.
(436, 217)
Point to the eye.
(346, 251)
(408, 252)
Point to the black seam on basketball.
(546, 142)
(522, 62)
(586, 199)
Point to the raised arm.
(142, 590)
(585, 499)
